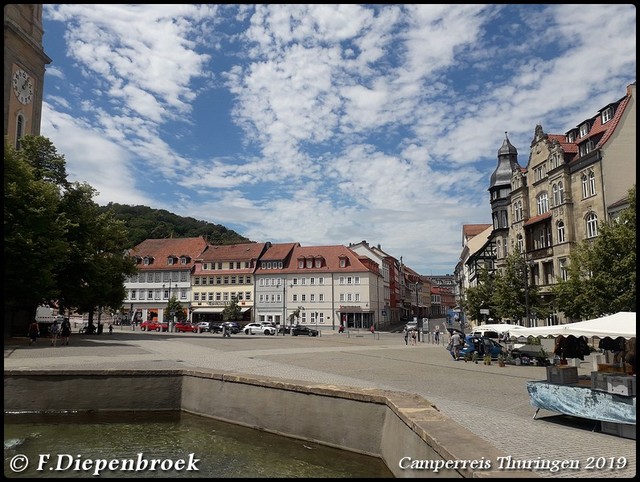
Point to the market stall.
(608, 396)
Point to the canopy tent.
(620, 324)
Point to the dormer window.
(607, 114)
(343, 262)
(584, 129)
(183, 260)
(571, 137)
(318, 262)
(301, 263)
(309, 263)
(146, 261)
(171, 260)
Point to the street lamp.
(419, 321)
(284, 307)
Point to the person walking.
(34, 333)
(406, 335)
(414, 336)
(65, 332)
(372, 329)
(455, 345)
(110, 328)
(55, 331)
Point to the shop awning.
(212, 309)
(352, 309)
(244, 310)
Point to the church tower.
(24, 68)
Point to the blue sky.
(323, 124)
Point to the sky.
(323, 124)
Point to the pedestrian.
(455, 345)
(414, 336)
(65, 332)
(34, 332)
(372, 329)
(55, 331)
(406, 335)
(226, 333)
(341, 329)
(110, 328)
(436, 337)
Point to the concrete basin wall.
(400, 428)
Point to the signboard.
(484, 311)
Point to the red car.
(154, 326)
(185, 326)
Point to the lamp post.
(419, 322)
(284, 307)
(316, 316)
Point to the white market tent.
(620, 324)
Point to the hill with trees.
(143, 222)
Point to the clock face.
(23, 86)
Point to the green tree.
(176, 307)
(94, 275)
(231, 312)
(34, 240)
(602, 270)
(478, 297)
(513, 294)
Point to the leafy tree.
(47, 164)
(602, 271)
(34, 239)
(175, 306)
(478, 297)
(513, 294)
(232, 312)
(94, 275)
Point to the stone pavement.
(490, 401)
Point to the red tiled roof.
(537, 219)
(331, 256)
(278, 252)
(159, 251)
(473, 229)
(233, 252)
(615, 121)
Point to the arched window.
(592, 183)
(561, 232)
(592, 225)
(585, 186)
(520, 242)
(19, 130)
(543, 203)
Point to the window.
(170, 260)
(564, 271)
(312, 297)
(19, 130)
(543, 203)
(303, 297)
(518, 213)
(301, 263)
(145, 261)
(606, 115)
(318, 263)
(183, 260)
(540, 172)
(561, 232)
(343, 262)
(520, 243)
(321, 297)
(341, 280)
(157, 297)
(196, 296)
(356, 280)
(294, 298)
(592, 183)
(592, 225)
(571, 137)
(584, 129)
(309, 263)
(150, 294)
(320, 281)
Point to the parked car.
(303, 330)
(482, 345)
(154, 325)
(186, 327)
(259, 328)
(204, 326)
